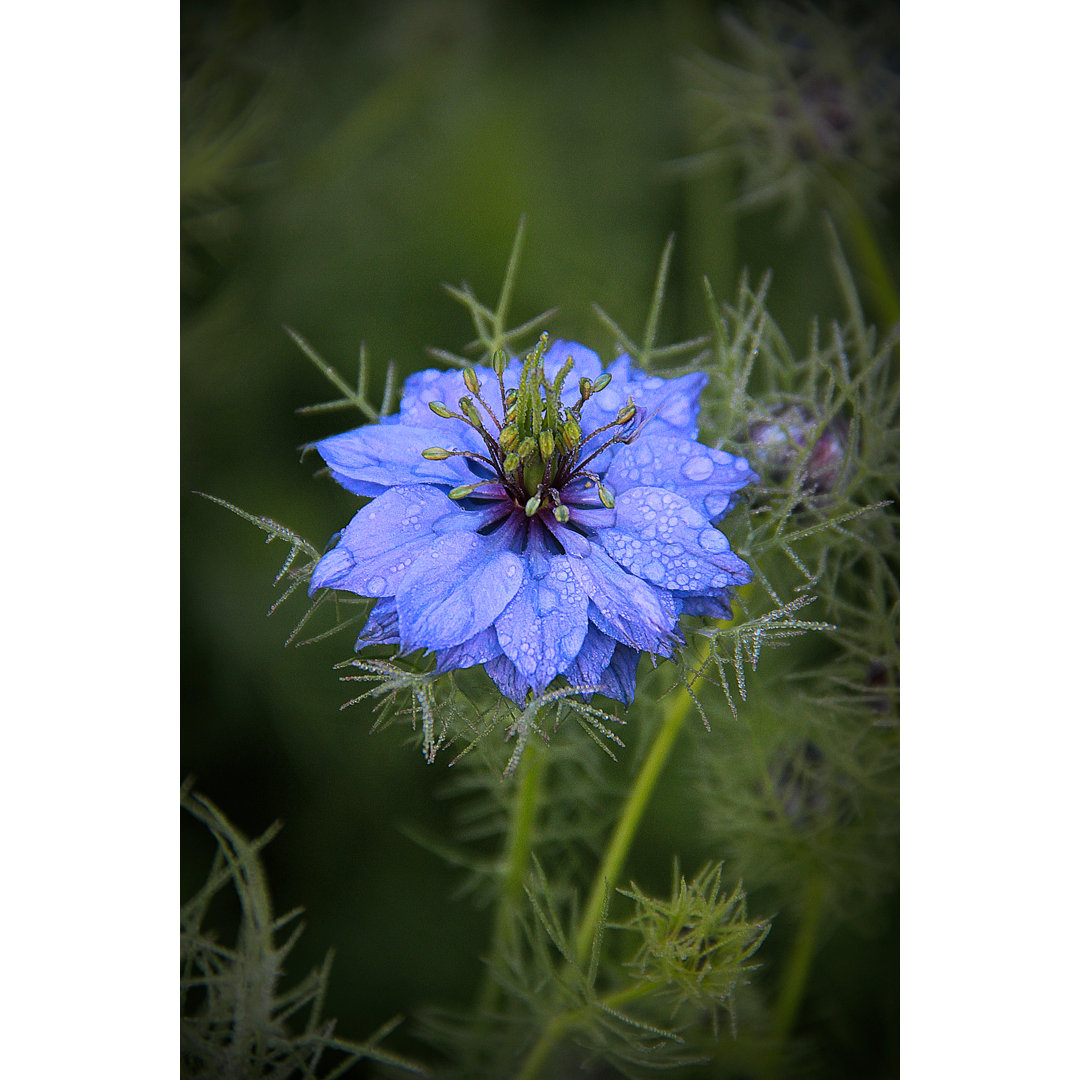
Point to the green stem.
(516, 857)
(559, 1025)
(879, 280)
(797, 971)
(623, 836)
(610, 868)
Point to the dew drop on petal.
(697, 468)
(377, 584)
(712, 540)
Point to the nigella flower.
(546, 528)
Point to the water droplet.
(712, 540)
(377, 585)
(697, 468)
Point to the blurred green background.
(340, 161)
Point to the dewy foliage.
(237, 1019)
(795, 758)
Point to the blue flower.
(545, 527)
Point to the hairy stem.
(611, 866)
(797, 970)
(559, 1025)
(619, 845)
(519, 842)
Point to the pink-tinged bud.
(781, 441)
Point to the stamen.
(467, 489)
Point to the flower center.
(537, 449)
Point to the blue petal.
(672, 404)
(588, 667)
(383, 539)
(371, 459)
(381, 627)
(542, 628)
(457, 585)
(423, 387)
(706, 478)
(660, 537)
(717, 606)
(625, 607)
(477, 650)
(620, 679)
(507, 678)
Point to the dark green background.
(340, 162)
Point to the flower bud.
(781, 441)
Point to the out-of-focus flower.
(781, 442)
(545, 526)
(810, 111)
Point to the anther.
(466, 489)
(435, 453)
(439, 409)
(471, 381)
(469, 409)
(532, 506)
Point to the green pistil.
(538, 447)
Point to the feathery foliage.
(237, 1018)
